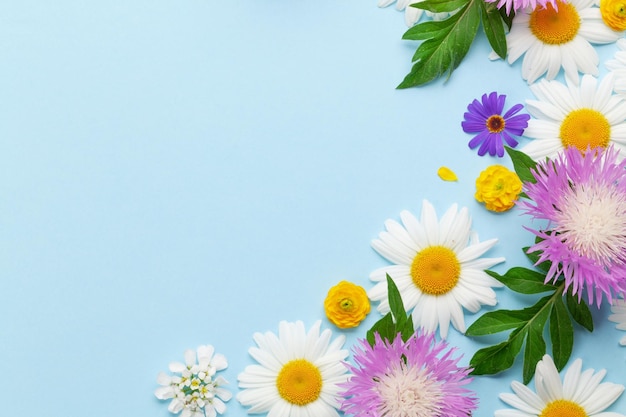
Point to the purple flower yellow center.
(435, 270)
(495, 123)
(555, 27)
(299, 382)
(563, 408)
(584, 128)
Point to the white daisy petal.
(605, 395)
(519, 403)
(618, 310)
(525, 394)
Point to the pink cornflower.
(515, 5)
(415, 378)
(583, 198)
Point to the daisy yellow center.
(555, 27)
(584, 128)
(299, 382)
(435, 270)
(495, 123)
(563, 408)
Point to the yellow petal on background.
(446, 174)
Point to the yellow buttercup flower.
(498, 188)
(346, 305)
(614, 14)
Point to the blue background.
(178, 173)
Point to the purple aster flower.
(485, 118)
(583, 198)
(413, 378)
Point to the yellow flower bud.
(614, 14)
(498, 188)
(346, 305)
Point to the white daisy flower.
(193, 389)
(554, 38)
(579, 395)
(589, 115)
(298, 373)
(618, 308)
(438, 269)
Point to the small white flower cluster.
(195, 391)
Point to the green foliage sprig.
(394, 322)
(528, 324)
(446, 42)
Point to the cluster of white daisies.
(438, 264)
(302, 372)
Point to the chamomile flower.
(585, 115)
(415, 378)
(618, 308)
(583, 200)
(438, 268)
(194, 388)
(555, 37)
(581, 394)
(298, 372)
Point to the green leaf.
(580, 311)
(522, 164)
(426, 30)
(523, 280)
(494, 28)
(395, 303)
(497, 358)
(385, 327)
(535, 345)
(499, 321)
(534, 258)
(502, 356)
(440, 6)
(507, 18)
(394, 322)
(407, 330)
(445, 49)
(561, 334)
